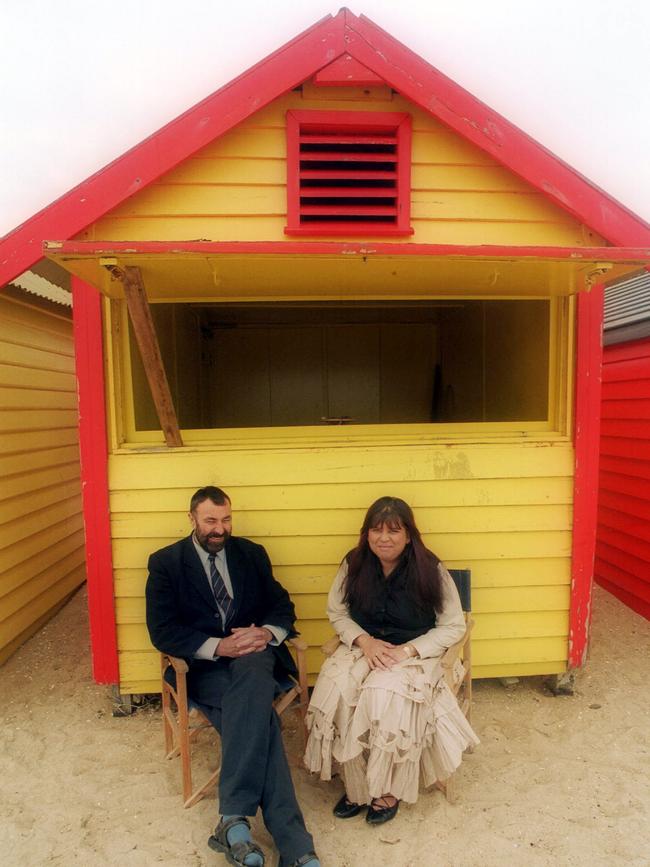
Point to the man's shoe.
(304, 859)
(345, 809)
(236, 853)
(378, 814)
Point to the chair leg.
(191, 798)
(172, 725)
(468, 682)
(200, 793)
(166, 709)
(184, 738)
(179, 736)
(167, 727)
(303, 696)
(448, 788)
(451, 789)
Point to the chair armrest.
(300, 648)
(452, 653)
(330, 645)
(179, 665)
(298, 643)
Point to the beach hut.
(623, 536)
(41, 523)
(342, 276)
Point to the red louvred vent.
(348, 173)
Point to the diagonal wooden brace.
(145, 335)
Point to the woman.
(381, 709)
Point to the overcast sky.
(84, 80)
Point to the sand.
(555, 781)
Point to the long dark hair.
(422, 575)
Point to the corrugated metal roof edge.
(37, 285)
(627, 303)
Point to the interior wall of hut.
(255, 365)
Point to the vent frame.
(357, 137)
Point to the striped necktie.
(221, 595)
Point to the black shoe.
(304, 859)
(345, 809)
(379, 815)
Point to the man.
(212, 599)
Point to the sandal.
(379, 812)
(238, 851)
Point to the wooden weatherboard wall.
(235, 189)
(623, 539)
(504, 510)
(41, 526)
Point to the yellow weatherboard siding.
(503, 510)
(41, 528)
(235, 189)
(496, 498)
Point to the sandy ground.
(556, 781)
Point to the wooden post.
(145, 335)
(589, 353)
(93, 450)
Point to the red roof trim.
(278, 73)
(427, 87)
(295, 62)
(107, 249)
(347, 72)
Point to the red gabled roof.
(297, 61)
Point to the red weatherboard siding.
(623, 540)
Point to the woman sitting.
(381, 709)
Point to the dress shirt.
(208, 648)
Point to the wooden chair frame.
(183, 720)
(457, 666)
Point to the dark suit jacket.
(182, 612)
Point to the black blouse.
(393, 615)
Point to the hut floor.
(555, 780)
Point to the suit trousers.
(238, 696)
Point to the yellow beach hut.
(41, 521)
(342, 276)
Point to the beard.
(211, 542)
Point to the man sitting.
(212, 599)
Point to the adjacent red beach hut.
(623, 540)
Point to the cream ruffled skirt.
(385, 731)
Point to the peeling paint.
(494, 133)
(450, 465)
(552, 190)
